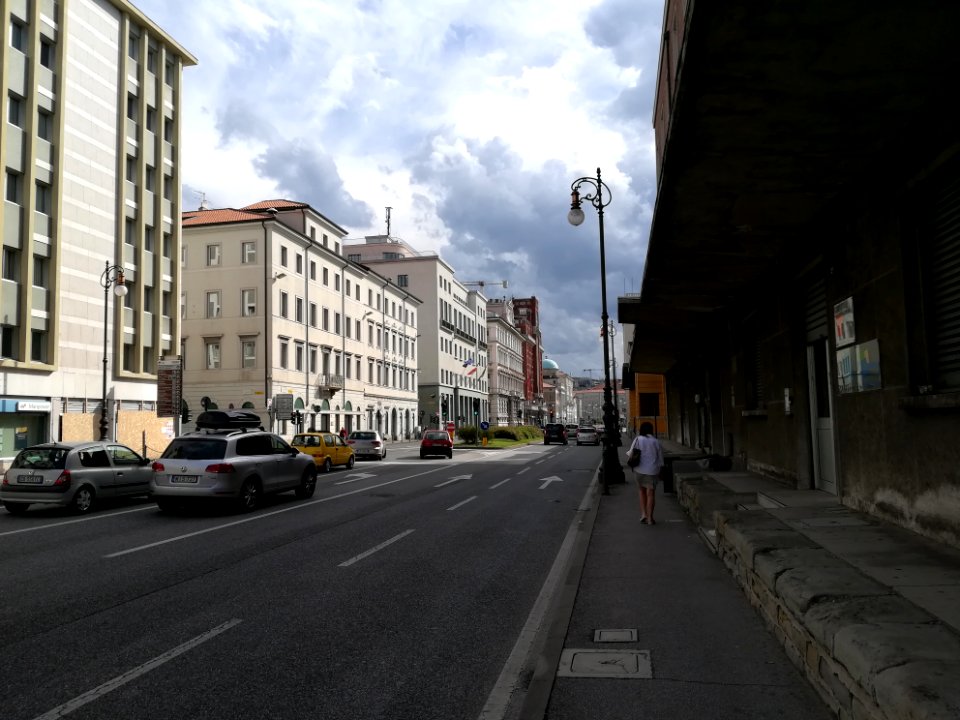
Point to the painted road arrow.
(454, 479)
(356, 476)
(548, 480)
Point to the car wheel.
(308, 484)
(16, 508)
(83, 501)
(165, 504)
(249, 497)
(422, 454)
(382, 457)
(450, 454)
(327, 465)
(351, 462)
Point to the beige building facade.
(272, 307)
(89, 146)
(506, 364)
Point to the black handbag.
(634, 458)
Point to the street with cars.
(396, 586)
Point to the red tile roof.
(194, 218)
(278, 204)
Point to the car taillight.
(63, 480)
(351, 442)
(219, 468)
(5, 480)
(158, 467)
(376, 443)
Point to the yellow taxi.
(326, 448)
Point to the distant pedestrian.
(343, 433)
(647, 472)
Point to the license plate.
(182, 479)
(30, 479)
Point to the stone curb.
(870, 653)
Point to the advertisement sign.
(169, 386)
(283, 406)
(844, 329)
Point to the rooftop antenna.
(203, 199)
(388, 220)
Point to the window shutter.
(943, 287)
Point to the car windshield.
(306, 440)
(196, 449)
(363, 436)
(42, 458)
(437, 436)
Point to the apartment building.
(272, 307)
(527, 312)
(89, 146)
(454, 385)
(558, 394)
(505, 352)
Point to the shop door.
(821, 417)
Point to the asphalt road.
(397, 591)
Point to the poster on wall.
(844, 329)
(858, 368)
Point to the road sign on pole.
(283, 406)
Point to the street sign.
(169, 386)
(484, 425)
(451, 427)
(283, 406)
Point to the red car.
(436, 442)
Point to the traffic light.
(476, 406)
(297, 417)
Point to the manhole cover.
(612, 636)
(605, 664)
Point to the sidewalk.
(868, 613)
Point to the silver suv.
(229, 459)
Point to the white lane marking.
(462, 503)
(119, 680)
(98, 516)
(454, 479)
(494, 487)
(266, 515)
(355, 476)
(548, 480)
(498, 702)
(371, 551)
(522, 470)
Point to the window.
(133, 46)
(347, 288)
(40, 271)
(168, 130)
(213, 303)
(130, 231)
(11, 264)
(313, 358)
(151, 119)
(348, 327)
(313, 314)
(213, 255)
(357, 332)
(284, 304)
(212, 353)
(354, 257)
(165, 303)
(283, 256)
(44, 125)
(284, 353)
(248, 352)
(326, 319)
(299, 261)
(44, 202)
(336, 282)
(132, 107)
(131, 169)
(18, 37)
(403, 280)
(47, 55)
(167, 187)
(12, 187)
(150, 179)
(298, 356)
(8, 341)
(168, 71)
(167, 244)
(148, 299)
(336, 323)
(152, 60)
(248, 302)
(313, 270)
(326, 277)
(148, 239)
(183, 306)
(14, 111)
(298, 309)
(249, 252)
(38, 346)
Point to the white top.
(651, 455)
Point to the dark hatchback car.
(554, 432)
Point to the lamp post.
(611, 470)
(612, 332)
(112, 276)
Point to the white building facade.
(89, 145)
(272, 307)
(454, 382)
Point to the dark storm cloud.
(303, 172)
(630, 29)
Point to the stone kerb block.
(750, 532)
(800, 587)
(920, 691)
(769, 565)
(826, 618)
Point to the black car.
(554, 432)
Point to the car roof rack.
(228, 420)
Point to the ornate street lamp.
(112, 276)
(611, 470)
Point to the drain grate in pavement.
(612, 636)
(605, 664)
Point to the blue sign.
(484, 425)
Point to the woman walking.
(647, 471)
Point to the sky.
(469, 119)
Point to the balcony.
(328, 384)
